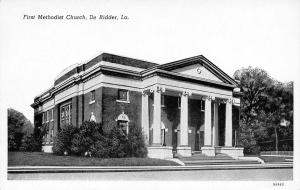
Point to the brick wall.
(112, 109)
(80, 112)
(56, 119)
(95, 107)
(74, 111)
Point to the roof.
(146, 69)
(76, 68)
(193, 60)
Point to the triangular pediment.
(197, 70)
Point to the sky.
(231, 34)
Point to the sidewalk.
(82, 169)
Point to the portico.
(211, 127)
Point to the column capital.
(146, 92)
(158, 89)
(208, 98)
(185, 93)
(230, 101)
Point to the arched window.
(123, 121)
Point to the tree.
(266, 104)
(18, 127)
(280, 107)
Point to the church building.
(183, 107)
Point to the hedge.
(91, 140)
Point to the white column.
(157, 117)
(216, 125)
(228, 123)
(207, 122)
(145, 116)
(184, 119)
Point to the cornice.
(184, 77)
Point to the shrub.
(91, 140)
(118, 143)
(136, 142)
(31, 144)
(100, 148)
(63, 141)
(85, 140)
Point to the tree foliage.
(91, 140)
(266, 111)
(19, 127)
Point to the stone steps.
(218, 162)
(219, 159)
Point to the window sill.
(123, 101)
(91, 102)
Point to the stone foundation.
(47, 148)
(184, 151)
(162, 152)
(208, 151)
(234, 152)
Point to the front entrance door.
(198, 139)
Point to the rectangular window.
(123, 95)
(92, 98)
(51, 115)
(51, 135)
(93, 95)
(202, 105)
(162, 101)
(47, 115)
(65, 114)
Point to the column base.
(184, 151)
(208, 151)
(47, 148)
(161, 152)
(234, 152)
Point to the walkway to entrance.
(219, 159)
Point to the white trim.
(91, 102)
(123, 101)
(52, 113)
(120, 66)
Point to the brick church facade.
(184, 106)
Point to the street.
(280, 174)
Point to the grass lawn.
(274, 158)
(48, 159)
(267, 158)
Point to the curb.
(85, 169)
